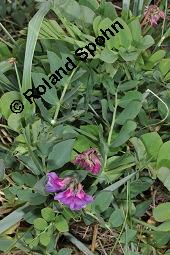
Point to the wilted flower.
(55, 183)
(153, 14)
(89, 160)
(75, 198)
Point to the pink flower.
(89, 160)
(153, 14)
(55, 183)
(76, 199)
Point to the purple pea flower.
(89, 160)
(55, 183)
(153, 14)
(76, 199)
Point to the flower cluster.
(153, 14)
(89, 160)
(69, 191)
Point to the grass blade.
(33, 32)
(13, 218)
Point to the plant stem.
(62, 95)
(7, 33)
(111, 131)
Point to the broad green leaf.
(130, 96)
(147, 42)
(48, 214)
(45, 239)
(6, 101)
(163, 174)
(165, 226)
(108, 56)
(157, 56)
(125, 133)
(128, 85)
(152, 142)
(135, 28)
(139, 148)
(61, 224)
(14, 121)
(109, 10)
(128, 236)
(164, 66)
(96, 23)
(65, 251)
(129, 113)
(92, 4)
(60, 154)
(163, 156)
(116, 219)
(40, 224)
(102, 201)
(162, 212)
(83, 143)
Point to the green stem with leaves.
(62, 96)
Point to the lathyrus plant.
(83, 151)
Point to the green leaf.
(164, 66)
(118, 184)
(152, 142)
(14, 121)
(40, 224)
(162, 212)
(44, 239)
(102, 201)
(2, 169)
(61, 154)
(135, 28)
(125, 133)
(65, 251)
(83, 143)
(165, 226)
(61, 224)
(6, 244)
(128, 236)
(163, 156)
(147, 42)
(33, 32)
(116, 219)
(129, 113)
(128, 85)
(157, 56)
(6, 100)
(13, 218)
(48, 214)
(130, 96)
(163, 174)
(108, 56)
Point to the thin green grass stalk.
(111, 131)
(7, 43)
(7, 33)
(146, 225)
(148, 91)
(163, 27)
(124, 223)
(62, 96)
